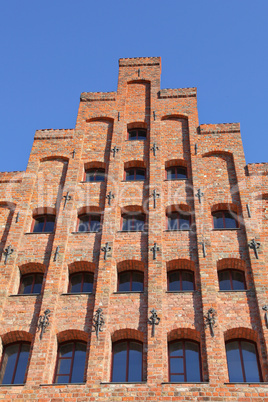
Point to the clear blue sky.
(53, 50)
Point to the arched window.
(224, 220)
(71, 360)
(127, 361)
(231, 279)
(130, 281)
(95, 175)
(89, 223)
(184, 361)
(137, 134)
(176, 173)
(178, 221)
(180, 280)
(43, 224)
(135, 174)
(14, 363)
(81, 282)
(133, 222)
(31, 283)
(243, 362)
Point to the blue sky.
(52, 51)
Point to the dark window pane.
(174, 281)
(192, 362)
(234, 362)
(218, 220)
(224, 280)
(88, 283)
(130, 174)
(141, 134)
(79, 363)
(90, 176)
(137, 281)
(177, 378)
(8, 363)
(38, 283)
(138, 223)
(238, 280)
(126, 223)
(76, 281)
(22, 364)
(62, 379)
(100, 175)
(66, 350)
(171, 173)
(124, 282)
(119, 362)
(184, 222)
(230, 221)
(140, 174)
(94, 223)
(83, 224)
(176, 365)
(173, 222)
(187, 280)
(250, 362)
(26, 284)
(181, 173)
(132, 135)
(135, 362)
(39, 224)
(64, 366)
(176, 349)
(49, 225)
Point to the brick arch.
(134, 163)
(72, 335)
(60, 158)
(130, 265)
(263, 196)
(184, 333)
(181, 263)
(176, 162)
(234, 263)
(104, 119)
(44, 211)
(137, 124)
(241, 332)
(132, 209)
(8, 204)
(225, 206)
(175, 116)
(219, 153)
(127, 333)
(95, 165)
(141, 81)
(16, 336)
(94, 209)
(178, 208)
(79, 266)
(32, 267)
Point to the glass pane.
(132, 135)
(234, 362)
(140, 174)
(171, 173)
(22, 364)
(173, 222)
(26, 284)
(62, 379)
(100, 175)
(184, 222)
(230, 222)
(187, 280)
(250, 362)
(138, 223)
(94, 224)
(8, 363)
(79, 363)
(218, 220)
(38, 283)
(126, 223)
(238, 280)
(76, 281)
(119, 362)
(224, 280)
(124, 282)
(66, 350)
(137, 281)
(174, 281)
(49, 225)
(39, 225)
(130, 174)
(176, 378)
(192, 362)
(64, 366)
(88, 283)
(90, 175)
(176, 365)
(141, 134)
(83, 224)
(135, 362)
(181, 173)
(176, 349)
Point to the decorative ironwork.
(265, 308)
(114, 150)
(7, 252)
(255, 245)
(154, 114)
(74, 152)
(204, 248)
(67, 198)
(106, 250)
(56, 254)
(109, 196)
(248, 209)
(139, 72)
(43, 322)
(17, 217)
(154, 249)
(118, 116)
(153, 320)
(210, 320)
(195, 148)
(154, 148)
(155, 196)
(199, 195)
(98, 322)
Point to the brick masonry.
(213, 155)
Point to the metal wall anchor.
(155, 196)
(195, 148)
(114, 150)
(7, 252)
(67, 198)
(154, 114)
(154, 148)
(43, 322)
(106, 250)
(109, 196)
(153, 320)
(199, 195)
(255, 245)
(210, 320)
(265, 308)
(56, 254)
(74, 152)
(17, 217)
(248, 209)
(98, 322)
(154, 249)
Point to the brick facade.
(214, 158)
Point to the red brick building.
(143, 213)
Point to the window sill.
(128, 292)
(246, 383)
(222, 229)
(180, 291)
(92, 231)
(132, 231)
(186, 383)
(12, 385)
(82, 182)
(131, 181)
(34, 233)
(77, 293)
(25, 294)
(177, 230)
(234, 291)
(62, 383)
(123, 383)
(176, 179)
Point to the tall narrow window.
(71, 362)
(224, 220)
(31, 283)
(89, 223)
(137, 134)
(95, 175)
(180, 280)
(44, 224)
(127, 361)
(231, 279)
(178, 221)
(184, 361)
(243, 362)
(133, 222)
(14, 363)
(130, 281)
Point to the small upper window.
(242, 360)
(130, 281)
(135, 174)
(184, 361)
(14, 363)
(133, 222)
(127, 361)
(31, 283)
(231, 279)
(44, 224)
(95, 175)
(71, 361)
(137, 134)
(81, 282)
(89, 223)
(180, 280)
(224, 220)
(178, 221)
(176, 173)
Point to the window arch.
(137, 131)
(176, 169)
(132, 219)
(178, 217)
(89, 219)
(184, 361)
(134, 171)
(71, 361)
(231, 274)
(127, 358)
(31, 278)
(225, 216)
(180, 275)
(94, 172)
(43, 220)
(81, 277)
